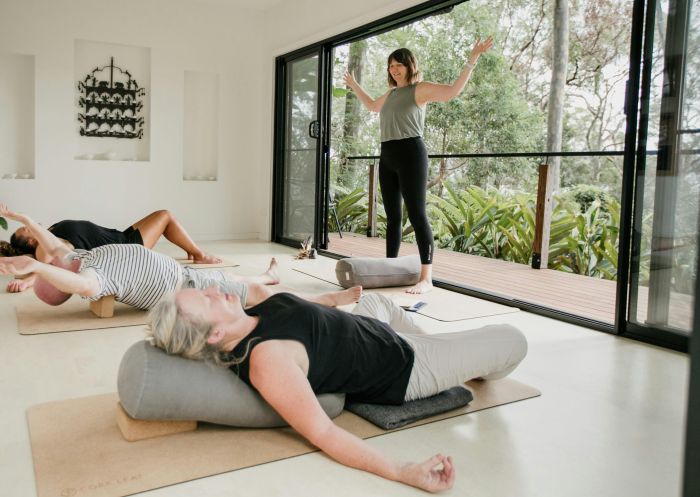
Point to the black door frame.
(324, 49)
(637, 103)
(636, 110)
(280, 137)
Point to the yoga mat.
(443, 305)
(35, 317)
(79, 451)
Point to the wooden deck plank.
(591, 298)
(584, 296)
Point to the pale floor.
(610, 421)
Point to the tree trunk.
(351, 122)
(560, 59)
(555, 124)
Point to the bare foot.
(423, 286)
(207, 259)
(271, 276)
(203, 258)
(348, 296)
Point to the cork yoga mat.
(78, 449)
(442, 305)
(35, 317)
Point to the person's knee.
(374, 305)
(164, 214)
(511, 337)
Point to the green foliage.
(351, 209)
(591, 246)
(339, 92)
(585, 195)
(3, 223)
(490, 224)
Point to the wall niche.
(17, 101)
(112, 88)
(200, 139)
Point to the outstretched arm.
(433, 92)
(85, 284)
(283, 384)
(48, 243)
(372, 104)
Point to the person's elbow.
(374, 106)
(88, 289)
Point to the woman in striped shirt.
(135, 275)
(87, 236)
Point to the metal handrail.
(601, 153)
(544, 192)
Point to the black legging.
(403, 172)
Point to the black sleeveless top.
(87, 236)
(356, 355)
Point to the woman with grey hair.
(375, 354)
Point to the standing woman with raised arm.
(403, 165)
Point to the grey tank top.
(400, 116)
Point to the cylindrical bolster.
(155, 385)
(377, 272)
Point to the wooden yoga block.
(139, 429)
(104, 307)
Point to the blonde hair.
(179, 333)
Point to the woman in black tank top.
(403, 165)
(290, 351)
(87, 236)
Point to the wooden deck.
(583, 296)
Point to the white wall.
(182, 35)
(219, 37)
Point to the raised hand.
(8, 214)
(349, 79)
(425, 475)
(480, 47)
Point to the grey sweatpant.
(445, 360)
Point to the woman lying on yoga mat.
(86, 235)
(135, 275)
(289, 350)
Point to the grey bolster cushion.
(155, 385)
(377, 272)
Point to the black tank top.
(86, 235)
(356, 355)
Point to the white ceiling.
(261, 5)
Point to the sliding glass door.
(299, 150)
(667, 177)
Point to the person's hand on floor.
(16, 286)
(425, 475)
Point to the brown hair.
(21, 245)
(7, 250)
(404, 56)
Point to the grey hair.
(179, 333)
